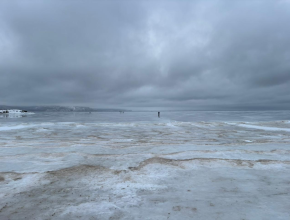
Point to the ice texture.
(144, 169)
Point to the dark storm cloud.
(146, 54)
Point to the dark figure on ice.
(158, 114)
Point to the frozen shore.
(166, 170)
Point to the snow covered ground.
(151, 169)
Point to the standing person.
(158, 114)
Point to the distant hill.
(60, 109)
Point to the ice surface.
(262, 127)
(134, 166)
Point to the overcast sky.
(146, 54)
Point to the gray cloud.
(146, 54)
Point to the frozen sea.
(185, 165)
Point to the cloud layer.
(146, 54)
